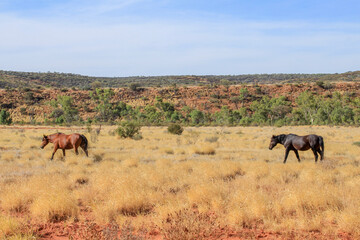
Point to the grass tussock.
(54, 205)
(204, 150)
(9, 226)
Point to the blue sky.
(168, 37)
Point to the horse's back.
(298, 142)
(75, 137)
(68, 141)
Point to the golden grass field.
(228, 174)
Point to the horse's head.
(44, 142)
(273, 142)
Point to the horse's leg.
(84, 145)
(320, 153)
(297, 155)
(286, 154)
(64, 152)
(315, 154)
(76, 150)
(55, 149)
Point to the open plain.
(208, 183)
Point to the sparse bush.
(328, 85)
(95, 85)
(128, 129)
(212, 139)
(127, 232)
(137, 137)
(204, 150)
(134, 87)
(29, 97)
(320, 83)
(356, 144)
(89, 232)
(98, 157)
(168, 150)
(190, 224)
(175, 129)
(23, 111)
(26, 89)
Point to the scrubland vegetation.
(214, 181)
(9, 79)
(255, 105)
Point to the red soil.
(86, 228)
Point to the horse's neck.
(52, 137)
(283, 139)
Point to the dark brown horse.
(63, 141)
(294, 142)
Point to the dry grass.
(208, 171)
(8, 225)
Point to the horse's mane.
(281, 137)
(55, 134)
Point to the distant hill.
(13, 79)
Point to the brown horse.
(63, 141)
(294, 142)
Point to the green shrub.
(5, 117)
(197, 117)
(128, 129)
(175, 129)
(320, 83)
(134, 86)
(137, 137)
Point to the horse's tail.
(321, 142)
(84, 143)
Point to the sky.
(118, 38)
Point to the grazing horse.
(63, 141)
(294, 142)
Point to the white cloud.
(176, 47)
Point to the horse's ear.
(273, 136)
(45, 136)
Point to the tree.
(261, 110)
(224, 116)
(308, 106)
(244, 94)
(104, 107)
(197, 117)
(235, 100)
(279, 108)
(65, 110)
